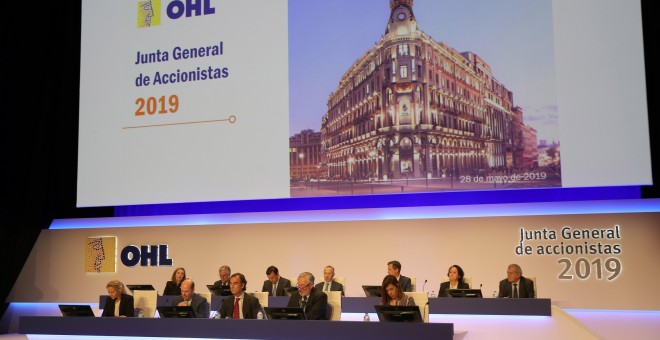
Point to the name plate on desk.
(443, 305)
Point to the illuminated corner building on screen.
(412, 107)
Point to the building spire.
(401, 16)
(396, 3)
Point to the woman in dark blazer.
(119, 303)
(455, 274)
(173, 287)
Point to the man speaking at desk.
(313, 301)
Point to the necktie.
(327, 287)
(515, 290)
(237, 314)
(303, 302)
(275, 289)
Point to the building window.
(404, 71)
(403, 50)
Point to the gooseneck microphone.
(424, 285)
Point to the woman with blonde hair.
(119, 303)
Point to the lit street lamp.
(301, 156)
(373, 167)
(350, 167)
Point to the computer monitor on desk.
(219, 290)
(371, 291)
(387, 313)
(463, 293)
(76, 310)
(175, 311)
(140, 287)
(285, 313)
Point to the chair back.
(334, 302)
(536, 288)
(145, 301)
(422, 301)
(262, 296)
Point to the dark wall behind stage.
(41, 56)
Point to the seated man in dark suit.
(394, 269)
(188, 297)
(239, 305)
(224, 272)
(329, 284)
(313, 301)
(275, 285)
(515, 285)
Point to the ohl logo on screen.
(149, 11)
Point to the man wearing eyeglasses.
(224, 273)
(313, 301)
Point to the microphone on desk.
(424, 285)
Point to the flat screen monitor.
(140, 287)
(464, 293)
(175, 311)
(76, 310)
(371, 291)
(398, 313)
(219, 290)
(285, 313)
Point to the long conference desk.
(484, 306)
(285, 329)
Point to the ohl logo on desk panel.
(101, 254)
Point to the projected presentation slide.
(208, 100)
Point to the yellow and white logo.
(148, 13)
(100, 254)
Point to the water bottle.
(366, 317)
(217, 315)
(432, 295)
(495, 294)
(260, 316)
(140, 313)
